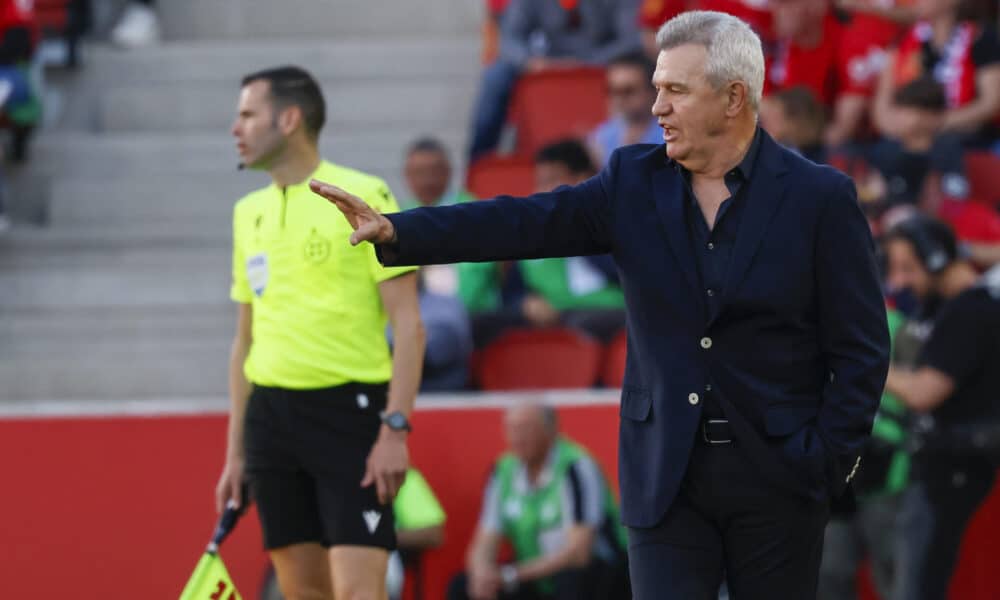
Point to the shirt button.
(711, 246)
(708, 387)
(706, 342)
(710, 292)
(693, 399)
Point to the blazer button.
(706, 342)
(693, 399)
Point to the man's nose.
(660, 108)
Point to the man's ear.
(737, 97)
(289, 119)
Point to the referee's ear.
(289, 120)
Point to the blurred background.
(119, 176)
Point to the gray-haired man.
(757, 337)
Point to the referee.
(314, 426)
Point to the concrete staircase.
(114, 284)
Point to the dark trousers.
(936, 509)
(728, 522)
(596, 581)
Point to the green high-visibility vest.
(526, 515)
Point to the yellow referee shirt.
(318, 319)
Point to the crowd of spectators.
(896, 94)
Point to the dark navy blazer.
(797, 353)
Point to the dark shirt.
(905, 172)
(965, 344)
(713, 247)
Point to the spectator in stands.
(630, 102)
(838, 62)
(962, 55)
(796, 120)
(541, 34)
(917, 164)
(549, 499)
(954, 389)
(579, 292)
(448, 336)
(139, 25)
(19, 106)
(428, 176)
(654, 13)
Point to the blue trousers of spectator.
(490, 109)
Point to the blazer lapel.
(668, 195)
(765, 192)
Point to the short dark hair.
(427, 144)
(637, 60)
(800, 104)
(294, 86)
(932, 240)
(924, 93)
(571, 153)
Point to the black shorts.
(305, 458)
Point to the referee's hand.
(368, 224)
(387, 464)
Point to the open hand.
(368, 224)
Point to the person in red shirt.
(962, 55)
(837, 60)
(654, 13)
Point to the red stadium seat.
(535, 359)
(492, 175)
(52, 15)
(556, 104)
(983, 172)
(613, 369)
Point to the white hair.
(734, 50)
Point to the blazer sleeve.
(569, 221)
(853, 331)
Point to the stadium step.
(323, 19)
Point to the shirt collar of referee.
(740, 172)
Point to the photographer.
(955, 391)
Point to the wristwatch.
(509, 578)
(396, 421)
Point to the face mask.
(905, 301)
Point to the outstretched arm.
(569, 221)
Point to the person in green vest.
(550, 501)
(427, 171)
(579, 292)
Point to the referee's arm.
(388, 461)
(231, 481)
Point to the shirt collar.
(524, 485)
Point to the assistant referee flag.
(210, 580)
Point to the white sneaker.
(4, 224)
(138, 27)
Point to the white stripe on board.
(165, 407)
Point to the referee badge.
(317, 248)
(257, 273)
